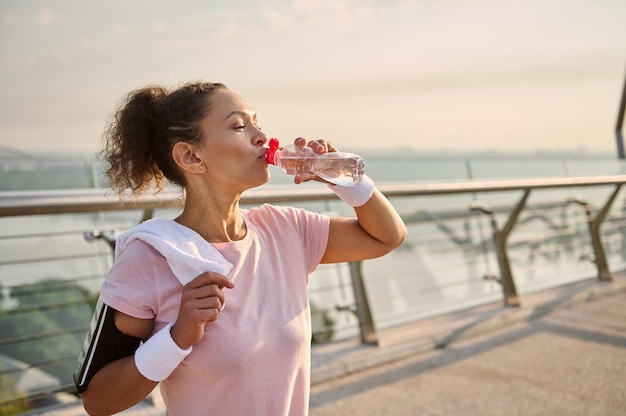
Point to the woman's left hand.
(320, 147)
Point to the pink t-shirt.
(255, 358)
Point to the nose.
(260, 138)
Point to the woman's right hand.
(201, 302)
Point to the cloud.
(323, 14)
(158, 27)
(296, 16)
(119, 29)
(45, 17)
(9, 18)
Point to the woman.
(236, 342)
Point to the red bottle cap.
(270, 156)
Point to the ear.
(184, 154)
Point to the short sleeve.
(130, 285)
(314, 231)
(297, 229)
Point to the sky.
(430, 75)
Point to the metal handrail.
(17, 203)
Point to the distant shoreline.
(11, 153)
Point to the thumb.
(223, 282)
(212, 278)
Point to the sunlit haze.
(463, 76)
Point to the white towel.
(187, 253)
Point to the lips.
(270, 154)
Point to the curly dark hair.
(140, 135)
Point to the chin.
(262, 181)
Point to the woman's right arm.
(119, 385)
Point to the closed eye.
(243, 127)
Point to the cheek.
(220, 165)
(223, 162)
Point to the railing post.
(148, 213)
(500, 238)
(604, 274)
(363, 312)
(621, 153)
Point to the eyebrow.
(242, 113)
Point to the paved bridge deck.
(563, 353)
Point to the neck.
(216, 221)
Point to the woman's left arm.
(376, 231)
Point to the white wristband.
(356, 195)
(159, 356)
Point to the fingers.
(206, 290)
(201, 302)
(300, 142)
(319, 146)
(203, 298)
(211, 278)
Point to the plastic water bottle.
(340, 168)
